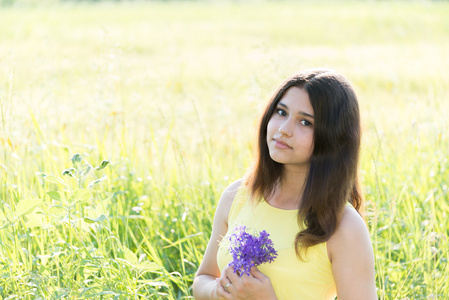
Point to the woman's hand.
(255, 286)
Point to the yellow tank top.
(291, 278)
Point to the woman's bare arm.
(352, 258)
(204, 285)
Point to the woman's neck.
(288, 192)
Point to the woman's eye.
(306, 123)
(281, 112)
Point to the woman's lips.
(281, 144)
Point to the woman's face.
(290, 129)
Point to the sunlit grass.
(170, 94)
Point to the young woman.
(303, 190)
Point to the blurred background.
(170, 93)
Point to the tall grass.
(169, 93)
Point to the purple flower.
(249, 250)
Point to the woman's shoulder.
(351, 233)
(227, 198)
(352, 258)
(231, 190)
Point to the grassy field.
(170, 93)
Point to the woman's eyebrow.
(299, 113)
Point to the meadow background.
(169, 93)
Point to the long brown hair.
(332, 178)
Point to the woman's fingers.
(264, 279)
(221, 292)
(256, 273)
(233, 275)
(225, 284)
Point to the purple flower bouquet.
(249, 250)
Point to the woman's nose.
(285, 128)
